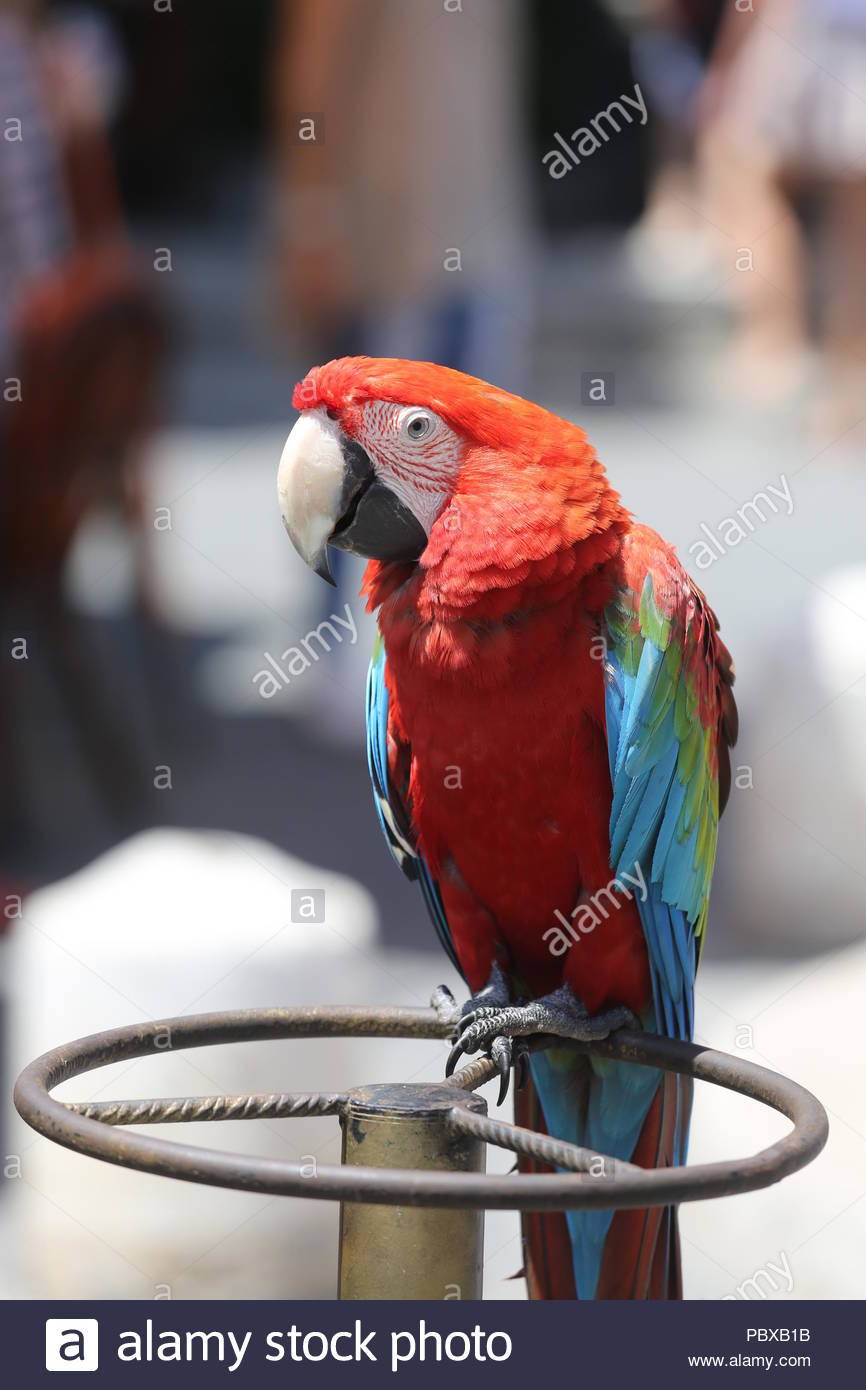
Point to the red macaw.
(549, 717)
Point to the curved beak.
(329, 494)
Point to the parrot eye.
(416, 425)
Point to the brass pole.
(400, 1251)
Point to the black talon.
(503, 1066)
(521, 1068)
(453, 1057)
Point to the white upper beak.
(309, 485)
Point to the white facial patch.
(310, 481)
(421, 472)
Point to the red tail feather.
(642, 1254)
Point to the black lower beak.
(373, 521)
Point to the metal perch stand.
(412, 1184)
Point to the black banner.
(428, 1344)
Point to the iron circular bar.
(527, 1192)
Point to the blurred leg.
(746, 199)
(844, 403)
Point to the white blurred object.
(791, 843)
(176, 921)
(210, 575)
(184, 921)
(169, 912)
(99, 578)
(838, 638)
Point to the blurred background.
(199, 200)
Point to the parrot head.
(384, 448)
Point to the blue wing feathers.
(659, 739)
(648, 800)
(403, 851)
(669, 827)
(649, 815)
(640, 700)
(644, 815)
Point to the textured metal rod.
(192, 1109)
(528, 1192)
(476, 1072)
(556, 1152)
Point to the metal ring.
(75, 1127)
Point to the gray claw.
(454, 1057)
(521, 1064)
(500, 1053)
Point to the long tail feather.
(546, 1242)
(641, 1256)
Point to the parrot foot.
(492, 999)
(495, 993)
(499, 1029)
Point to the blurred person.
(79, 343)
(35, 232)
(785, 114)
(35, 223)
(671, 42)
(402, 217)
(79, 334)
(420, 154)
